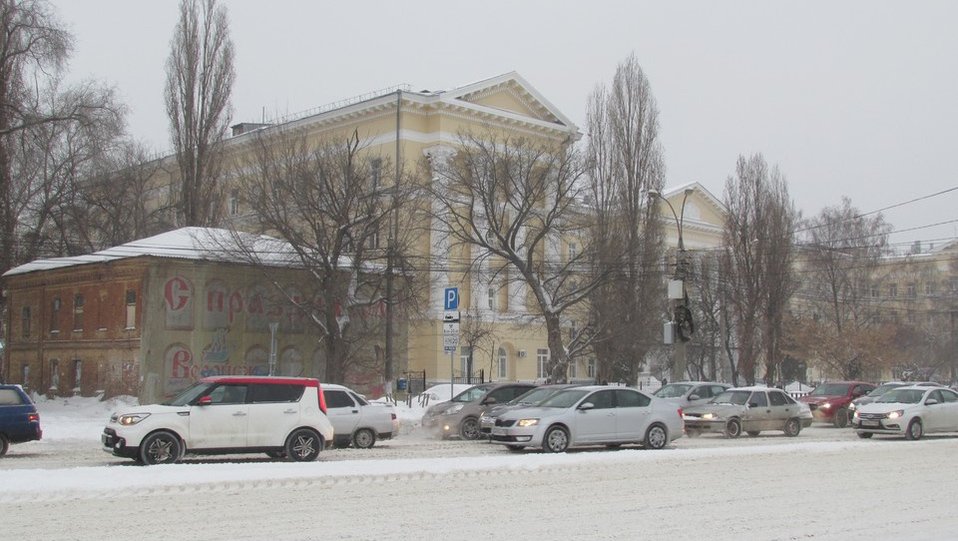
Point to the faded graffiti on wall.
(222, 311)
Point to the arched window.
(502, 368)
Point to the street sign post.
(450, 329)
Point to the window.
(573, 370)
(375, 174)
(573, 251)
(229, 394)
(929, 288)
(491, 294)
(338, 399)
(758, 399)
(777, 398)
(54, 374)
(55, 315)
(630, 399)
(912, 290)
(277, 393)
(25, 321)
(590, 368)
(542, 363)
(893, 290)
(25, 374)
(464, 353)
(10, 397)
(77, 375)
(372, 240)
(501, 371)
(130, 309)
(234, 202)
(358, 399)
(78, 312)
(601, 399)
(874, 291)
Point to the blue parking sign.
(451, 299)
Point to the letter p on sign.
(451, 301)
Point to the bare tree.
(116, 203)
(477, 333)
(757, 261)
(625, 165)
(841, 255)
(512, 203)
(37, 117)
(199, 84)
(328, 203)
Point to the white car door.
(222, 422)
(596, 424)
(274, 411)
(632, 412)
(342, 410)
(950, 410)
(934, 416)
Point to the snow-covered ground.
(825, 484)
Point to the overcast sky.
(847, 98)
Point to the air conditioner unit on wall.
(522, 353)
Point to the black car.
(19, 420)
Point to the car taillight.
(393, 416)
(680, 413)
(33, 417)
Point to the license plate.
(870, 423)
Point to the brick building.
(148, 318)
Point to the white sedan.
(910, 411)
(593, 415)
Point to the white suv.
(283, 417)
(355, 420)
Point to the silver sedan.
(593, 415)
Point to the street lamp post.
(678, 295)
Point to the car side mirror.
(931, 401)
(752, 404)
(694, 397)
(586, 406)
(489, 400)
(204, 401)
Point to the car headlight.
(825, 406)
(455, 409)
(131, 418)
(855, 416)
(895, 414)
(527, 422)
(852, 406)
(709, 416)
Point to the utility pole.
(389, 352)
(681, 323)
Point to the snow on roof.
(192, 243)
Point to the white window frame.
(542, 362)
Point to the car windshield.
(189, 394)
(470, 395)
(732, 397)
(563, 399)
(831, 389)
(882, 389)
(902, 396)
(535, 396)
(673, 390)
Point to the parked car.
(279, 416)
(911, 411)
(590, 415)
(748, 409)
(533, 397)
(460, 416)
(19, 420)
(691, 393)
(877, 392)
(356, 421)
(829, 401)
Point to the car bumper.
(486, 424)
(823, 415)
(880, 426)
(704, 425)
(116, 445)
(515, 436)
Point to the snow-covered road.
(824, 484)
